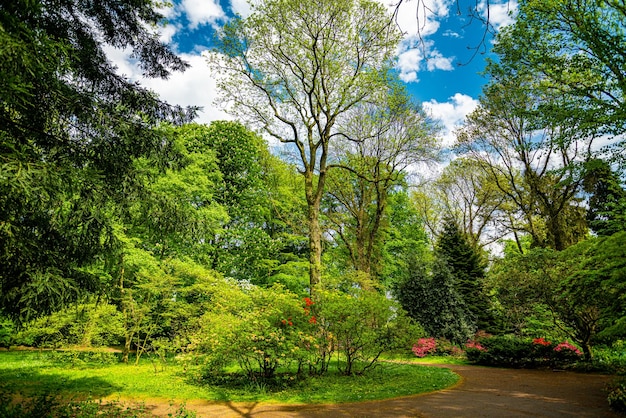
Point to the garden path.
(481, 392)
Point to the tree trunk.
(315, 247)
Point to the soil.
(481, 392)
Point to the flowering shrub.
(542, 341)
(268, 329)
(508, 351)
(567, 346)
(474, 345)
(424, 346)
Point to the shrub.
(361, 325)
(617, 395)
(507, 351)
(424, 347)
(87, 324)
(268, 329)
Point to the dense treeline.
(123, 223)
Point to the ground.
(481, 392)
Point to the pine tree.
(430, 297)
(468, 269)
(70, 129)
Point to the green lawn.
(32, 373)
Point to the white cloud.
(241, 7)
(194, 87)
(498, 14)
(420, 18)
(201, 12)
(436, 61)
(451, 114)
(409, 63)
(415, 56)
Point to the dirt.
(481, 392)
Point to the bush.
(617, 395)
(361, 325)
(507, 351)
(88, 325)
(268, 329)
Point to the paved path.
(482, 392)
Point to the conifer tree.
(468, 269)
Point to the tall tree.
(577, 51)
(294, 69)
(429, 296)
(532, 161)
(606, 213)
(379, 142)
(468, 268)
(466, 193)
(70, 128)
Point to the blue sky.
(437, 61)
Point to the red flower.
(308, 301)
(541, 341)
(312, 320)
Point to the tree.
(533, 162)
(379, 142)
(70, 128)
(293, 69)
(468, 268)
(430, 296)
(607, 201)
(466, 193)
(581, 287)
(576, 51)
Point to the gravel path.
(481, 392)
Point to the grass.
(34, 373)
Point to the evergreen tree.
(429, 296)
(70, 129)
(468, 269)
(607, 202)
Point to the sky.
(440, 58)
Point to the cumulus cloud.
(451, 114)
(202, 12)
(409, 63)
(436, 61)
(498, 14)
(241, 7)
(414, 57)
(420, 18)
(194, 87)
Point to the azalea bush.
(268, 329)
(509, 351)
(424, 347)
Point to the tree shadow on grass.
(29, 382)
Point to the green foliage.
(360, 325)
(70, 128)
(468, 268)
(261, 330)
(6, 331)
(617, 395)
(607, 204)
(430, 297)
(581, 287)
(509, 351)
(86, 324)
